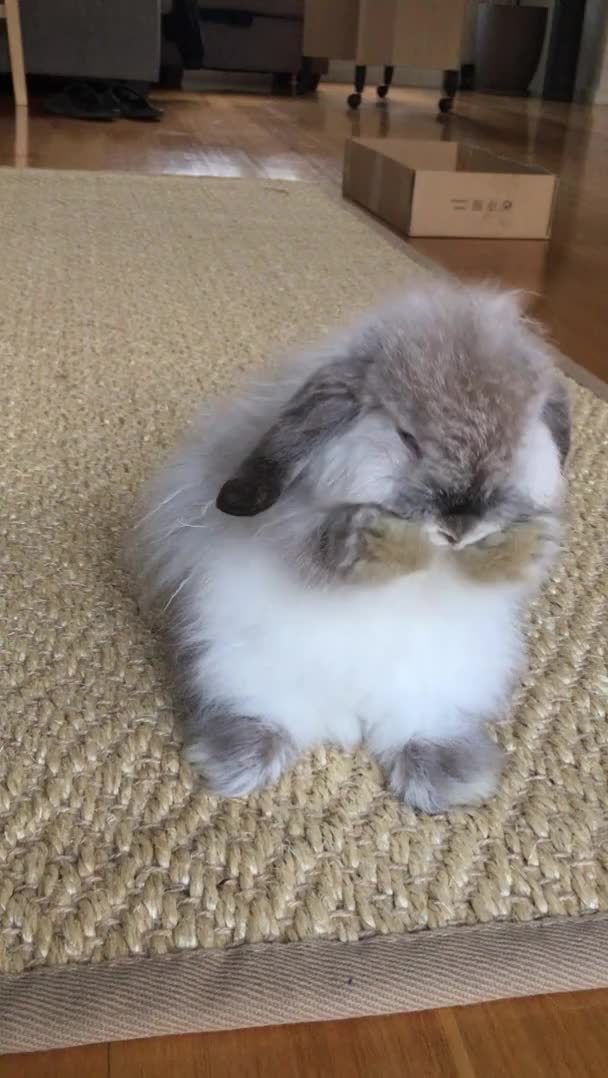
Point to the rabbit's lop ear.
(326, 404)
(556, 414)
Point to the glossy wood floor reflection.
(237, 134)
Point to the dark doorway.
(564, 47)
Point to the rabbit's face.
(478, 454)
(461, 482)
(467, 492)
(444, 409)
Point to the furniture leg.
(389, 71)
(10, 10)
(451, 81)
(307, 79)
(354, 100)
(171, 76)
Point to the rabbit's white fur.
(424, 657)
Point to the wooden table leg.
(15, 48)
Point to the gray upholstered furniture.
(253, 35)
(262, 36)
(105, 39)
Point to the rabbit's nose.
(448, 536)
(455, 526)
(441, 534)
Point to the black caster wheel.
(382, 90)
(354, 100)
(445, 104)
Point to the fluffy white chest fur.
(414, 657)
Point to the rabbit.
(345, 552)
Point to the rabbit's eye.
(411, 443)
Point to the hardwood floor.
(235, 134)
(254, 135)
(563, 1036)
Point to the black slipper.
(82, 101)
(133, 105)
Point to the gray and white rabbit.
(345, 552)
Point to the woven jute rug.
(131, 902)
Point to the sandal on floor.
(133, 105)
(83, 101)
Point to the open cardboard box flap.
(447, 189)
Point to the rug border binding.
(277, 983)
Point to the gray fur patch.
(433, 776)
(256, 487)
(236, 754)
(326, 404)
(341, 543)
(460, 377)
(556, 415)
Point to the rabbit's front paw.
(510, 556)
(237, 754)
(433, 776)
(367, 544)
(391, 547)
(396, 548)
(343, 538)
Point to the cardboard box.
(522, 265)
(447, 189)
(418, 33)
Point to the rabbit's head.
(443, 408)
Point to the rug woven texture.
(125, 302)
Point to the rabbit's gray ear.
(326, 404)
(556, 414)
